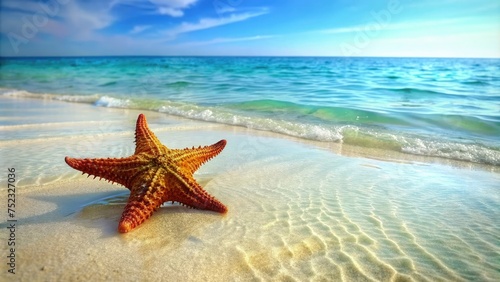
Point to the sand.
(298, 210)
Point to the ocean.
(439, 107)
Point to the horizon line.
(246, 56)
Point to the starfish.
(154, 174)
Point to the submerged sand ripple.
(357, 223)
(296, 213)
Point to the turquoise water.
(446, 108)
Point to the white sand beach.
(298, 210)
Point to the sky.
(391, 28)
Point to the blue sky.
(401, 28)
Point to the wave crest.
(308, 122)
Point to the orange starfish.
(154, 174)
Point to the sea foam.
(315, 123)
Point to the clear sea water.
(447, 108)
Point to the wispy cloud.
(206, 23)
(88, 17)
(139, 28)
(25, 6)
(79, 19)
(173, 8)
(408, 25)
(225, 10)
(394, 26)
(341, 29)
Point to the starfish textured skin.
(154, 174)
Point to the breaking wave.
(328, 124)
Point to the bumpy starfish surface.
(154, 174)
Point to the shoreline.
(168, 122)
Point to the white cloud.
(206, 23)
(341, 30)
(225, 10)
(173, 12)
(174, 3)
(93, 17)
(139, 29)
(26, 6)
(394, 26)
(173, 8)
(79, 22)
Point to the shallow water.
(332, 217)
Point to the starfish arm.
(154, 175)
(192, 159)
(121, 170)
(145, 140)
(146, 197)
(187, 191)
